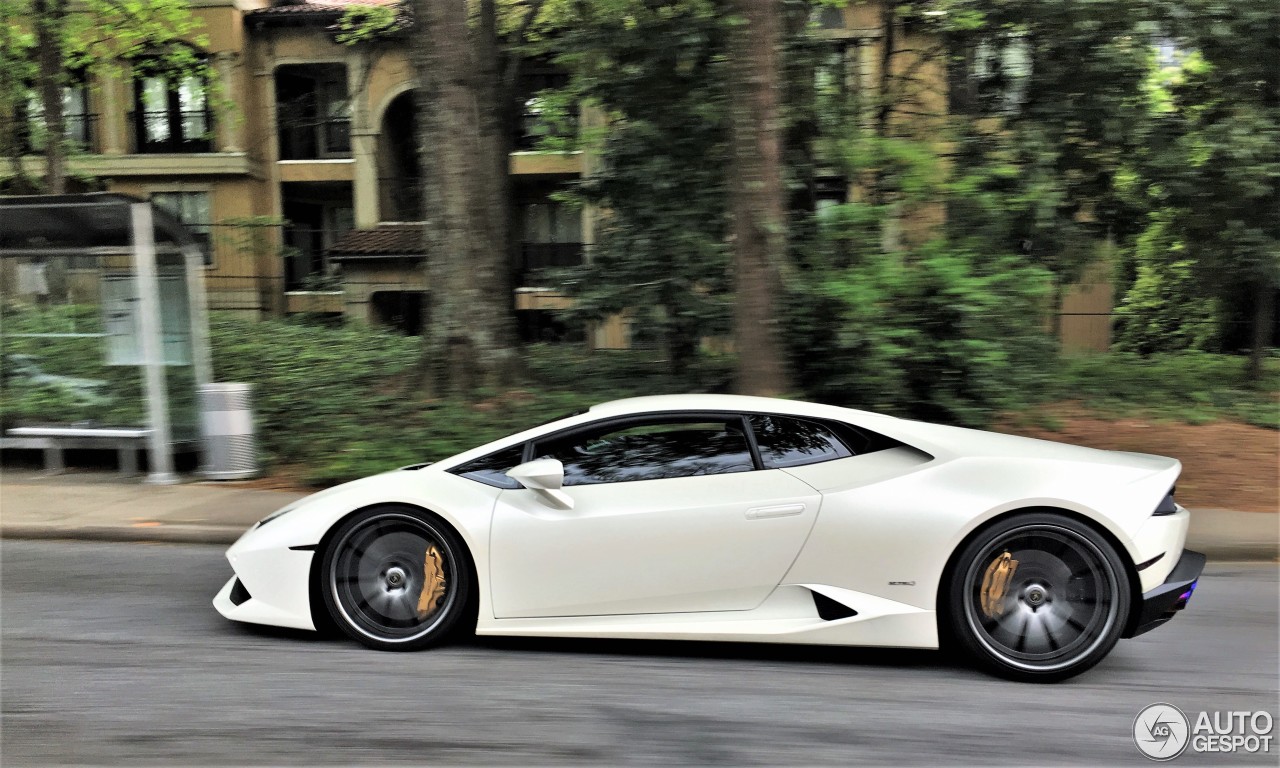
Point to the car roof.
(743, 403)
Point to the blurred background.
(427, 226)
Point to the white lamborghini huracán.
(733, 518)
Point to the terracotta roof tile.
(383, 240)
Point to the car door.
(670, 514)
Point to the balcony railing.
(533, 129)
(535, 257)
(81, 131)
(316, 139)
(306, 264)
(401, 198)
(165, 132)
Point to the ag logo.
(1161, 731)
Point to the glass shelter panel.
(72, 322)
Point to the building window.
(313, 111)
(837, 75)
(551, 237)
(193, 210)
(171, 115)
(77, 121)
(538, 120)
(990, 76)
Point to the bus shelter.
(103, 327)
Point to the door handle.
(782, 510)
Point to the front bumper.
(1160, 604)
(271, 584)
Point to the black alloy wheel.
(396, 578)
(1038, 597)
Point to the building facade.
(299, 168)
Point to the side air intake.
(831, 610)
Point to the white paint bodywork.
(735, 556)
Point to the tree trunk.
(1264, 318)
(50, 17)
(469, 339)
(889, 44)
(759, 213)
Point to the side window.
(786, 442)
(492, 469)
(652, 450)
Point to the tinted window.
(492, 469)
(786, 442)
(652, 450)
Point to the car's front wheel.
(395, 578)
(1038, 597)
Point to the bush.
(1165, 309)
(937, 334)
(341, 403)
(53, 370)
(1187, 386)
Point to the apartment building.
(299, 169)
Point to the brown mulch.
(1225, 465)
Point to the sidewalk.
(107, 507)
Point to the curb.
(120, 534)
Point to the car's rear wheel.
(395, 578)
(1038, 597)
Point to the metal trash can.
(230, 451)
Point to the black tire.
(374, 571)
(1049, 610)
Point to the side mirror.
(544, 477)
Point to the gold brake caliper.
(432, 582)
(995, 582)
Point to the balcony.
(306, 266)
(315, 139)
(535, 257)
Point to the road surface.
(112, 654)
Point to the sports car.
(716, 517)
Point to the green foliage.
(657, 72)
(367, 23)
(1189, 386)
(922, 336)
(334, 404)
(98, 38)
(1060, 106)
(1165, 308)
(1209, 172)
(944, 324)
(939, 333)
(69, 381)
(17, 68)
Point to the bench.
(54, 440)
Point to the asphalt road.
(112, 654)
